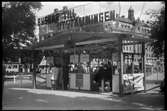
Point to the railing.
(14, 77)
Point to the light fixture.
(84, 52)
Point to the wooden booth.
(84, 51)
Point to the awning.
(84, 38)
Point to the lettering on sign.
(68, 18)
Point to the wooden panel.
(48, 80)
(86, 81)
(79, 80)
(115, 84)
(72, 80)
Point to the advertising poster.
(133, 82)
(84, 58)
(74, 59)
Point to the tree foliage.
(18, 24)
(157, 22)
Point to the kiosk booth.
(81, 60)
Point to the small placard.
(84, 58)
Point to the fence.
(154, 76)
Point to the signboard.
(84, 58)
(85, 16)
(133, 82)
(85, 20)
(69, 20)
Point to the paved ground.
(17, 97)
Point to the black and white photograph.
(83, 55)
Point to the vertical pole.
(102, 85)
(121, 68)
(143, 65)
(132, 88)
(34, 72)
(62, 69)
(157, 72)
(21, 82)
(14, 79)
(133, 64)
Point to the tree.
(157, 22)
(18, 25)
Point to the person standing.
(54, 79)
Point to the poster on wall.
(133, 82)
(138, 81)
(84, 58)
(74, 59)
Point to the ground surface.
(16, 96)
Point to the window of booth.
(127, 69)
(79, 63)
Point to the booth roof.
(83, 36)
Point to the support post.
(14, 79)
(34, 72)
(143, 65)
(21, 81)
(62, 70)
(121, 68)
(133, 66)
(34, 79)
(102, 85)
